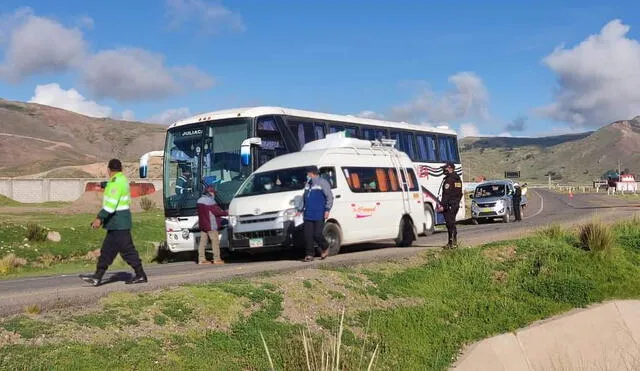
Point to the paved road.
(544, 208)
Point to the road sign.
(511, 174)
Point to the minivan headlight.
(289, 214)
(233, 220)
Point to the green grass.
(67, 256)
(435, 308)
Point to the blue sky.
(477, 65)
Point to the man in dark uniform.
(517, 199)
(450, 203)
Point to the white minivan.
(375, 189)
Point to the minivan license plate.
(256, 242)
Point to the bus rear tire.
(333, 236)
(405, 233)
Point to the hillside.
(576, 158)
(35, 139)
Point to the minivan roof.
(314, 157)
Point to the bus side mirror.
(245, 149)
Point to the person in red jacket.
(210, 221)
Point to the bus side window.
(272, 140)
(319, 130)
(448, 149)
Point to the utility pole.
(619, 167)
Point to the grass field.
(416, 313)
(21, 256)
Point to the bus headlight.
(233, 220)
(185, 234)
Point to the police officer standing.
(450, 203)
(115, 217)
(517, 199)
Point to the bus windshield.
(282, 180)
(204, 153)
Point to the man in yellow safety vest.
(115, 217)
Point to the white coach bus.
(225, 147)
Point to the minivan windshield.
(489, 190)
(281, 180)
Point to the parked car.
(491, 200)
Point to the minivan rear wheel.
(333, 236)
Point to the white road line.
(541, 206)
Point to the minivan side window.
(329, 174)
(378, 179)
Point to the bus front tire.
(333, 236)
(430, 221)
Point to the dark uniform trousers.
(119, 241)
(313, 233)
(450, 211)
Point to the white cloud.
(469, 98)
(469, 129)
(128, 115)
(211, 17)
(132, 74)
(86, 22)
(192, 76)
(370, 115)
(36, 45)
(598, 79)
(53, 95)
(171, 115)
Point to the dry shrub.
(147, 204)
(10, 262)
(36, 232)
(596, 237)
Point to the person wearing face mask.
(317, 203)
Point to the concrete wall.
(45, 190)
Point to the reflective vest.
(116, 213)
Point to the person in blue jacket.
(317, 203)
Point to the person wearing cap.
(210, 221)
(115, 217)
(517, 200)
(317, 202)
(450, 202)
(183, 185)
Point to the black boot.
(450, 240)
(93, 279)
(140, 277)
(454, 239)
